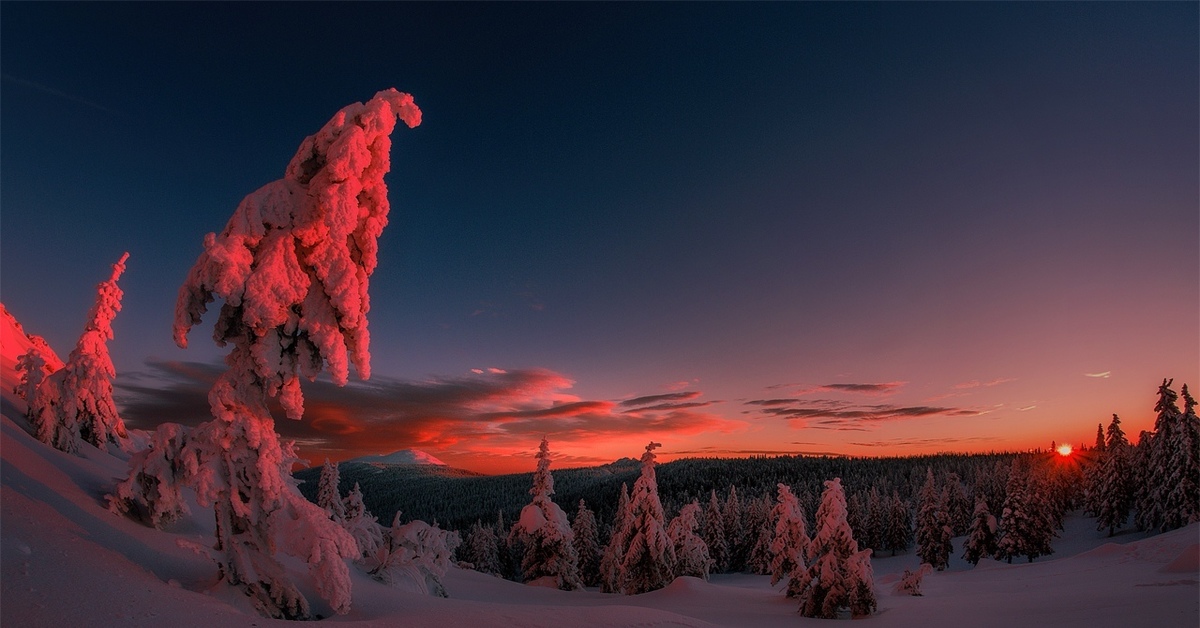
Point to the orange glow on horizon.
(1064, 449)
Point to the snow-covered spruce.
(1112, 496)
(839, 575)
(587, 545)
(1026, 525)
(328, 496)
(789, 544)
(292, 268)
(31, 372)
(481, 549)
(361, 524)
(691, 554)
(545, 534)
(910, 581)
(414, 556)
(74, 404)
(613, 555)
(1169, 490)
(641, 545)
(981, 537)
(153, 491)
(714, 534)
(933, 526)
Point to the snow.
(66, 560)
(404, 456)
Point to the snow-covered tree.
(545, 533)
(958, 505)
(714, 534)
(1026, 526)
(481, 548)
(691, 554)
(933, 528)
(910, 582)
(838, 575)
(1113, 499)
(414, 556)
(328, 496)
(981, 538)
(898, 534)
(614, 552)
(31, 371)
(1169, 491)
(733, 518)
(789, 540)
(759, 561)
(74, 404)
(153, 491)
(292, 267)
(360, 523)
(647, 554)
(587, 545)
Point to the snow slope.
(66, 560)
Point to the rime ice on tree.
(648, 556)
(292, 268)
(691, 554)
(790, 541)
(545, 534)
(839, 575)
(74, 404)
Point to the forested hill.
(456, 498)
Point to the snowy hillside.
(404, 456)
(66, 560)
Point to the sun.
(1064, 449)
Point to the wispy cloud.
(873, 389)
(1104, 375)
(845, 415)
(491, 411)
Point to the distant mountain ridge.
(404, 456)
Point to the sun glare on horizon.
(1064, 449)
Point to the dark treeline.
(455, 499)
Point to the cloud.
(1104, 375)
(61, 94)
(492, 412)
(653, 399)
(1026, 408)
(873, 389)
(976, 383)
(844, 415)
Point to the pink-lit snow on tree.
(545, 534)
(74, 404)
(789, 543)
(839, 575)
(291, 266)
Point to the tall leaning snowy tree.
(647, 554)
(75, 404)
(545, 533)
(292, 267)
(839, 575)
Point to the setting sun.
(1064, 449)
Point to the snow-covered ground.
(65, 560)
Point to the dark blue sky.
(635, 196)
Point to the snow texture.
(545, 534)
(839, 576)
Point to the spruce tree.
(614, 551)
(482, 549)
(74, 404)
(933, 529)
(1184, 495)
(1114, 482)
(543, 531)
(714, 534)
(735, 531)
(649, 556)
(789, 545)
(328, 497)
(981, 538)
(899, 532)
(587, 545)
(958, 506)
(691, 554)
(838, 575)
(361, 524)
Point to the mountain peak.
(404, 456)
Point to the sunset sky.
(865, 229)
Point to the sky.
(735, 229)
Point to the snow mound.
(404, 456)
